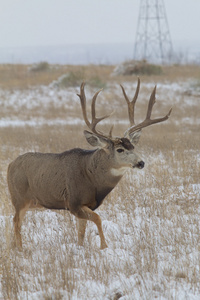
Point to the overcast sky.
(61, 22)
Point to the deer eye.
(120, 150)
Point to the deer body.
(47, 179)
(77, 180)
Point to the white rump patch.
(119, 171)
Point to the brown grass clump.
(150, 220)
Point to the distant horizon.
(90, 53)
(178, 42)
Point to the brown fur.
(77, 180)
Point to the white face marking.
(119, 171)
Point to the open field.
(151, 220)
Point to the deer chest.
(99, 197)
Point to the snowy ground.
(151, 221)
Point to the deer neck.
(101, 170)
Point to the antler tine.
(96, 120)
(148, 121)
(91, 125)
(131, 104)
(83, 104)
(152, 101)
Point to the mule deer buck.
(78, 180)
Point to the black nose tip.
(140, 164)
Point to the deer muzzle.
(140, 165)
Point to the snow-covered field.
(151, 220)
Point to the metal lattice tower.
(153, 41)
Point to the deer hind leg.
(81, 231)
(86, 213)
(19, 215)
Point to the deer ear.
(135, 136)
(95, 140)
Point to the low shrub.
(137, 68)
(40, 67)
(73, 79)
(69, 79)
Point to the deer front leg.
(17, 228)
(86, 213)
(81, 231)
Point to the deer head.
(122, 149)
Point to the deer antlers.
(131, 108)
(92, 125)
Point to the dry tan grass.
(151, 218)
(20, 77)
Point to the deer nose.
(140, 165)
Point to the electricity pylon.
(153, 42)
